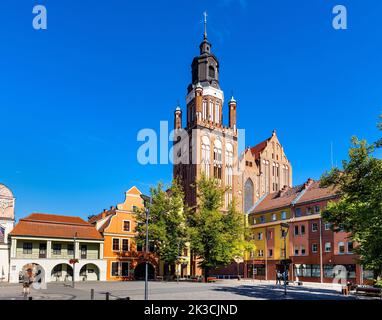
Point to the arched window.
(249, 190)
(217, 159)
(217, 112)
(211, 111)
(206, 156)
(204, 111)
(211, 72)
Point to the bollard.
(107, 295)
(91, 294)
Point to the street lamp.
(147, 200)
(284, 233)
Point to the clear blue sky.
(73, 97)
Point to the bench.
(211, 279)
(368, 290)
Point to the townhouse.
(57, 248)
(313, 251)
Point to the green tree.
(359, 210)
(216, 238)
(167, 223)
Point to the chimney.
(282, 191)
(308, 183)
(104, 213)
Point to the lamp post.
(146, 200)
(284, 232)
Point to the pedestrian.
(27, 281)
(278, 277)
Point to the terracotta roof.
(314, 192)
(278, 200)
(101, 215)
(257, 149)
(55, 226)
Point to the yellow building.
(270, 238)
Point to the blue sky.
(73, 97)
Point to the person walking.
(27, 281)
(278, 277)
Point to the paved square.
(221, 290)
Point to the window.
(139, 246)
(84, 251)
(297, 212)
(308, 210)
(327, 226)
(296, 250)
(71, 249)
(217, 112)
(341, 248)
(262, 219)
(317, 209)
(126, 225)
(350, 247)
(57, 248)
(211, 72)
(302, 229)
(328, 247)
(42, 251)
(114, 269)
(314, 226)
(125, 244)
(314, 248)
(274, 217)
(206, 156)
(270, 253)
(249, 193)
(260, 236)
(260, 253)
(302, 250)
(27, 248)
(270, 235)
(211, 111)
(296, 229)
(115, 244)
(283, 215)
(204, 111)
(217, 160)
(125, 269)
(307, 270)
(134, 208)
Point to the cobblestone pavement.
(221, 290)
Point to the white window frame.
(123, 225)
(314, 245)
(314, 224)
(326, 247)
(128, 244)
(119, 245)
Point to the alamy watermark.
(40, 20)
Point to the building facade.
(7, 222)
(315, 252)
(125, 258)
(47, 243)
(206, 145)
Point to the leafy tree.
(216, 237)
(167, 224)
(359, 210)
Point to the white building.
(47, 243)
(7, 222)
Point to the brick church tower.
(205, 145)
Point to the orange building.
(125, 258)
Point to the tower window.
(211, 72)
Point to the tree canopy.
(359, 210)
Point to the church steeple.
(205, 67)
